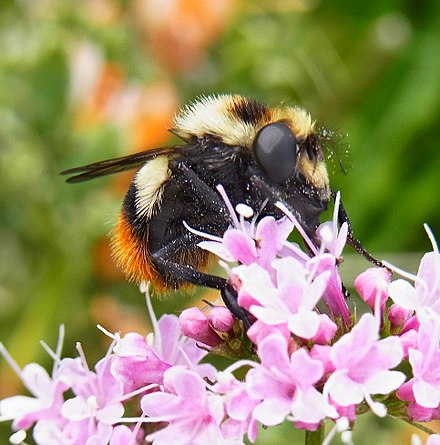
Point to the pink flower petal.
(287, 268)
(111, 413)
(272, 411)
(38, 380)
(384, 382)
(426, 395)
(352, 346)
(429, 271)
(241, 246)
(259, 330)
(387, 353)
(121, 435)
(218, 249)
(273, 352)
(271, 316)
(433, 439)
(307, 370)
(165, 341)
(403, 294)
(326, 331)
(343, 390)
(257, 282)
(309, 406)
(76, 409)
(159, 404)
(305, 324)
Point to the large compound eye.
(275, 150)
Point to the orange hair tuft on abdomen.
(132, 256)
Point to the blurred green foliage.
(369, 70)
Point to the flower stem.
(315, 437)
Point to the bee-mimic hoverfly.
(260, 155)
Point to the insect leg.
(269, 191)
(355, 243)
(209, 196)
(184, 273)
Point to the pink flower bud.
(221, 318)
(411, 324)
(372, 285)
(419, 413)
(194, 324)
(398, 316)
(333, 296)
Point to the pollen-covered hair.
(236, 120)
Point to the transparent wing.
(116, 165)
(336, 150)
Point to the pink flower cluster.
(307, 357)
(77, 405)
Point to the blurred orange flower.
(177, 32)
(100, 92)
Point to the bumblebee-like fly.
(259, 154)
